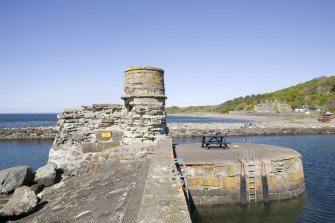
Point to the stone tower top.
(144, 82)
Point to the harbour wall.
(221, 183)
(177, 131)
(22, 133)
(229, 176)
(238, 129)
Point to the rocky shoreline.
(20, 187)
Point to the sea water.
(316, 205)
(33, 153)
(17, 120)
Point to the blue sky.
(67, 53)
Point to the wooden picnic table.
(214, 140)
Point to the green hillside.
(319, 91)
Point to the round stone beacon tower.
(145, 105)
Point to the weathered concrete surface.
(163, 199)
(103, 195)
(195, 154)
(116, 191)
(213, 175)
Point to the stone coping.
(163, 198)
(144, 96)
(144, 68)
(194, 154)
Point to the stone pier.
(214, 175)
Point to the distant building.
(308, 108)
(272, 107)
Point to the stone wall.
(93, 129)
(179, 130)
(220, 183)
(39, 132)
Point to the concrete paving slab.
(195, 154)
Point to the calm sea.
(17, 120)
(32, 153)
(317, 205)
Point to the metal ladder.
(178, 170)
(251, 176)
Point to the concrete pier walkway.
(124, 191)
(163, 198)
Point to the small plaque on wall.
(106, 134)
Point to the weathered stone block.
(194, 181)
(198, 191)
(274, 196)
(230, 182)
(196, 200)
(228, 199)
(234, 169)
(203, 171)
(220, 171)
(104, 125)
(211, 182)
(215, 192)
(116, 135)
(298, 176)
(98, 147)
(209, 200)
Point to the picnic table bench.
(214, 140)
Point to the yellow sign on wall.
(106, 134)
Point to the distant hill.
(319, 91)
